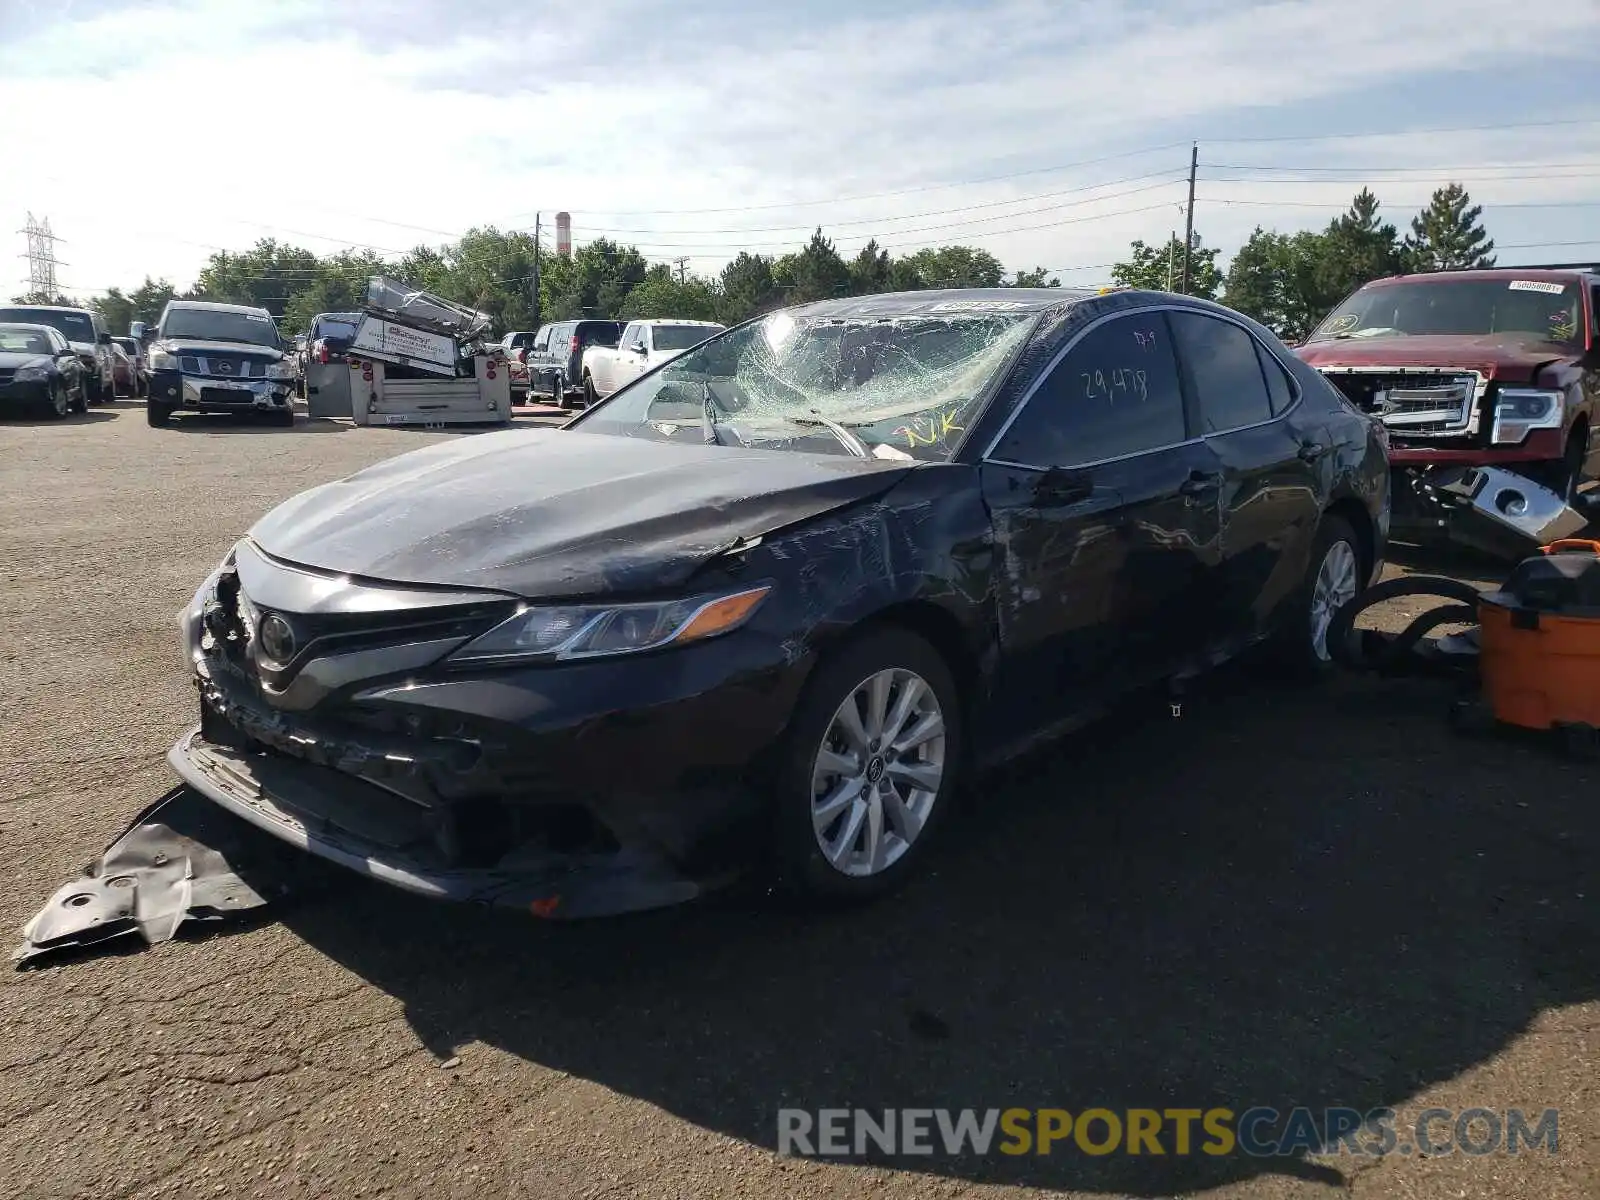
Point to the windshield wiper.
(708, 414)
(847, 439)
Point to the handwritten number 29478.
(1118, 382)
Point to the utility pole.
(683, 265)
(1172, 250)
(1188, 220)
(42, 260)
(537, 217)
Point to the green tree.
(663, 294)
(815, 273)
(869, 270)
(958, 267)
(116, 308)
(149, 298)
(596, 281)
(1281, 280)
(1448, 235)
(904, 276)
(1148, 267)
(1358, 247)
(1035, 278)
(266, 276)
(748, 288)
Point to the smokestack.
(564, 234)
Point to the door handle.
(1200, 482)
(1311, 451)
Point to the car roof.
(28, 325)
(946, 300)
(211, 306)
(1492, 274)
(671, 321)
(88, 312)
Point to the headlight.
(594, 631)
(280, 370)
(162, 360)
(32, 374)
(1519, 410)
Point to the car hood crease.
(556, 513)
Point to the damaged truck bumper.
(1489, 509)
(337, 817)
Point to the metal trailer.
(484, 396)
(419, 359)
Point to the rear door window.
(1222, 363)
(1116, 393)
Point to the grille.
(1412, 402)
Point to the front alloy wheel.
(877, 772)
(870, 763)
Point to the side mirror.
(136, 331)
(639, 348)
(104, 339)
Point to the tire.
(284, 419)
(1564, 476)
(559, 395)
(1299, 646)
(59, 404)
(805, 777)
(156, 414)
(81, 404)
(590, 398)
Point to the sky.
(1052, 132)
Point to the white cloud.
(221, 122)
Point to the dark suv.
(555, 360)
(219, 358)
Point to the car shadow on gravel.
(228, 423)
(90, 417)
(1279, 897)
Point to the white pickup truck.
(643, 346)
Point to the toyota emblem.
(277, 638)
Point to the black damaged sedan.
(772, 601)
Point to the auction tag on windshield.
(1537, 285)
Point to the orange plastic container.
(1539, 640)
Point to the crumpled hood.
(1510, 356)
(188, 345)
(559, 513)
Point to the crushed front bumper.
(201, 393)
(331, 814)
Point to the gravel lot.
(1280, 898)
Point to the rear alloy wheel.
(873, 757)
(1333, 578)
(589, 396)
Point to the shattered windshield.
(891, 387)
(1543, 308)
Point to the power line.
(1394, 133)
(1448, 170)
(1318, 204)
(1166, 176)
(932, 187)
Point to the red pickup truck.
(1469, 370)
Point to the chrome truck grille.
(1430, 402)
